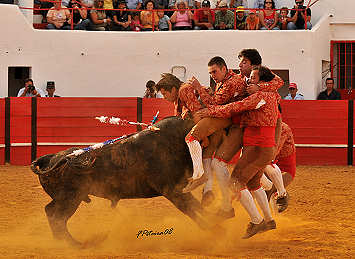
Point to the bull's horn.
(42, 165)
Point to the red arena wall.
(48, 125)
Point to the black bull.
(144, 165)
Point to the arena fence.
(32, 127)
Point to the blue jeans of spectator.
(292, 26)
(83, 25)
(52, 27)
(203, 28)
(275, 28)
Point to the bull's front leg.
(58, 213)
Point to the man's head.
(169, 86)
(28, 82)
(329, 82)
(121, 4)
(248, 59)
(150, 85)
(217, 68)
(284, 11)
(299, 2)
(240, 12)
(252, 13)
(50, 88)
(292, 88)
(206, 4)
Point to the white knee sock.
(248, 203)
(208, 171)
(261, 198)
(222, 175)
(196, 155)
(265, 183)
(275, 175)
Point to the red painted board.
(150, 106)
(316, 122)
(20, 130)
(321, 156)
(2, 131)
(20, 155)
(73, 119)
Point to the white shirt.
(297, 97)
(30, 94)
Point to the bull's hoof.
(114, 203)
(194, 183)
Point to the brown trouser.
(249, 168)
(207, 126)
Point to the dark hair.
(217, 61)
(273, 3)
(329, 79)
(28, 80)
(149, 1)
(168, 82)
(150, 84)
(251, 54)
(284, 9)
(265, 73)
(279, 107)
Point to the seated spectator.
(236, 3)
(51, 89)
(88, 3)
(297, 21)
(148, 16)
(99, 20)
(108, 6)
(224, 18)
(189, 4)
(45, 5)
(268, 16)
(134, 4)
(121, 18)
(241, 23)
(284, 19)
(259, 4)
(136, 22)
(252, 21)
(150, 91)
(58, 17)
(163, 4)
(205, 17)
(330, 93)
(293, 95)
(80, 21)
(30, 90)
(182, 18)
(164, 22)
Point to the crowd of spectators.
(30, 90)
(167, 15)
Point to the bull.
(143, 165)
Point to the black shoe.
(253, 229)
(225, 214)
(207, 198)
(270, 225)
(282, 202)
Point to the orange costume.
(187, 102)
(286, 151)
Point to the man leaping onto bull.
(184, 96)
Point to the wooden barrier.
(20, 130)
(68, 122)
(2, 131)
(320, 127)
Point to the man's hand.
(195, 83)
(199, 115)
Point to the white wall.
(119, 64)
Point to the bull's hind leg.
(58, 213)
(190, 206)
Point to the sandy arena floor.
(319, 223)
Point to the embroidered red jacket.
(187, 101)
(258, 109)
(233, 86)
(286, 146)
